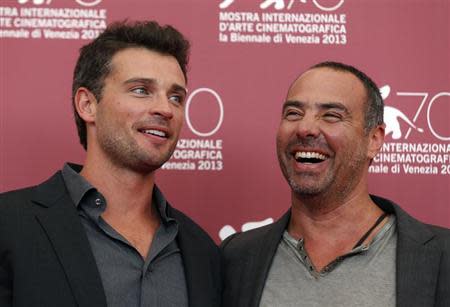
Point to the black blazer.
(423, 261)
(46, 260)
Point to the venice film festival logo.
(324, 5)
(400, 126)
(47, 2)
(189, 104)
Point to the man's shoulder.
(245, 240)
(242, 244)
(441, 235)
(16, 211)
(14, 198)
(411, 227)
(20, 199)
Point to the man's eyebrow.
(179, 88)
(140, 80)
(333, 105)
(320, 105)
(292, 103)
(149, 81)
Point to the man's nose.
(308, 126)
(161, 106)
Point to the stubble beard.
(125, 152)
(285, 159)
(320, 186)
(335, 183)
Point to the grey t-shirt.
(363, 277)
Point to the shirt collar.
(77, 187)
(160, 203)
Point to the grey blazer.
(46, 259)
(423, 261)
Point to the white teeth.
(155, 132)
(309, 155)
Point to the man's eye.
(332, 117)
(292, 115)
(177, 99)
(140, 91)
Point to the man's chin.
(146, 165)
(305, 189)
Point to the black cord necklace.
(367, 234)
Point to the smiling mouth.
(309, 157)
(155, 132)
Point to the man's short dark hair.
(94, 62)
(375, 105)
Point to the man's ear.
(85, 104)
(376, 140)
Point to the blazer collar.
(49, 192)
(418, 258)
(261, 261)
(61, 223)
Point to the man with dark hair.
(103, 234)
(337, 245)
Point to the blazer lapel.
(417, 260)
(260, 263)
(197, 267)
(60, 221)
(417, 263)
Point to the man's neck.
(126, 191)
(128, 194)
(331, 228)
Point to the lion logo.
(228, 230)
(392, 117)
(35, 2)
(81, 2)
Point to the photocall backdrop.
(245, 53)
